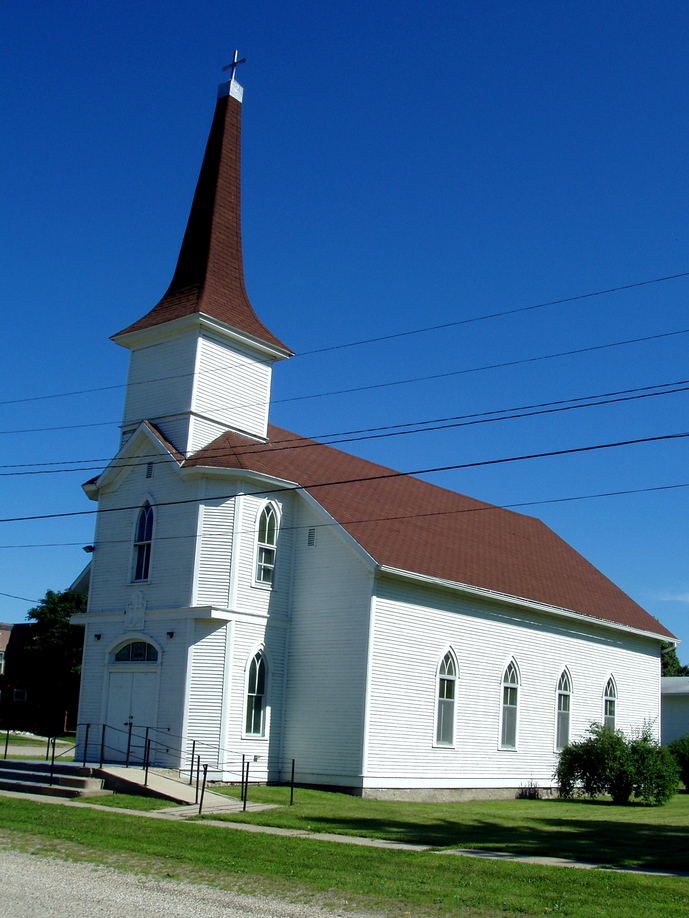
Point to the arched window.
(266, 545)
(564, 696)
(609, 703)
(510, 689)
(136, 652)
(256, 697)
(142, 543)
(445, 718)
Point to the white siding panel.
(205, 702)
(174, 538)
(160, 379)
(415, 627)
(215, 554)
(233, 387)
(252, 597)
(326, 683)
(675, 717)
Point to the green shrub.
(680, 750)
(609, 763)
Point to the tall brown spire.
(209, 277)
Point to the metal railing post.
(198, 778)
(191, 765)
(52, 762)
(86, 743)
(147, 757)
(241, 784)
(47, 750)
(129, 743)
(291, 786)
(7, 741)
(102, 746)
(203, 787)
(146, 739)
(246, 788)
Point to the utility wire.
(416, 331)
(384, 385)
(505, 414)
(378, 519)
(366, 478)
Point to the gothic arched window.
(256, 697)
(445, 717)
(266, 545)
(564, 697)
(510, 697)
(143, 538)
(609, 705)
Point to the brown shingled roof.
(409, 524)
(209, 277)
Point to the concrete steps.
(69, 780)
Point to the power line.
(378, 519)
(416, 331)
(384, 385)
(492, 315)
(366, 478)
(504, 414)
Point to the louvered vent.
(149, 470)
(311, 538)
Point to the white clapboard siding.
(326, 684)
(233, 387)
(251, 596)
(205, 699)
(251, 635)
(414, 628)
(675, 719)
(160, 379)
(174, 538)
(215, 554)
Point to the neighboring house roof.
(209, 277)
(5, 631)
(406, 523)
(674, 685)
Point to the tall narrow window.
(609, 705)
(447, 679)
(256, 696)
(266, 546)
(142, 543)
(510, 688)
(564, 695)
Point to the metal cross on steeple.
(233, 66)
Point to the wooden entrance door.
(132, 698)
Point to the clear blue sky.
(405, 165)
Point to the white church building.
(258, 596)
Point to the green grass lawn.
(588, 830)
(395, 883)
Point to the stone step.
(51, 790)
(38, 767)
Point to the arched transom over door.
(132, 701)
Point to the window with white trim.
(609, 705)
(445, 716)
(256, 697)
(266, 545)
(510, 692)
(136, 652)
(143, 538)
(564, 700)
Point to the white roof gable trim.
(518, 601)
(127, 457)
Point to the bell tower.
(201, 359)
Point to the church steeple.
(201, 359)
(209, 277)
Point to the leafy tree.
(609, 763)
(680, 750)
(53, 658)
(669, 662)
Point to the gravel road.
(34, 886)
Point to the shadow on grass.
(594, 839)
